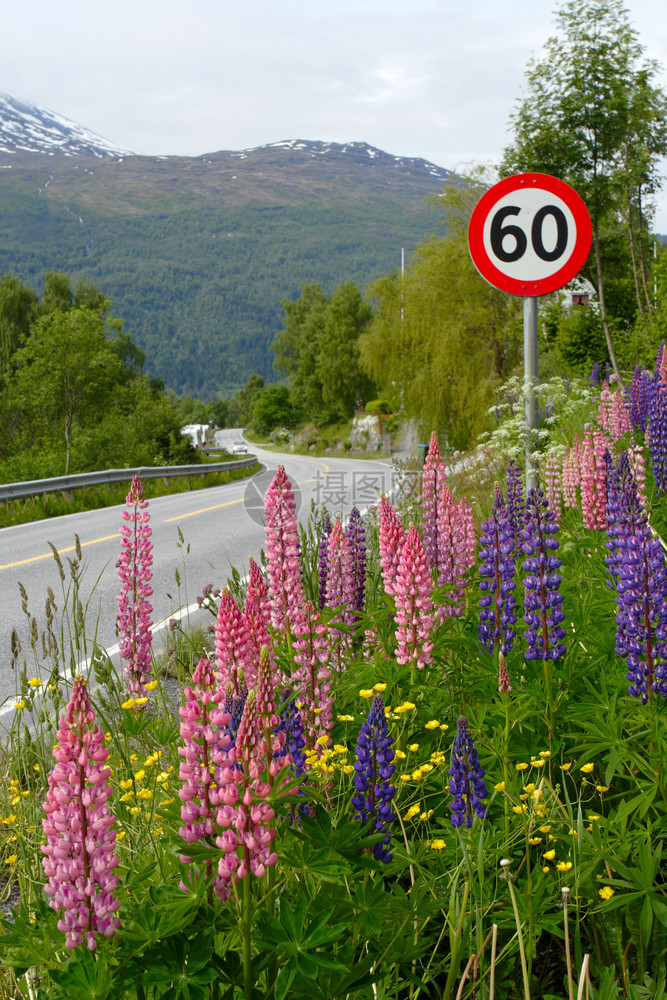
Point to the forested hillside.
(198, 254)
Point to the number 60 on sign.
(529, 234)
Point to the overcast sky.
(430, 78)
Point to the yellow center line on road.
(49, 555)
(107, 538)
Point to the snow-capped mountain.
(28, 128)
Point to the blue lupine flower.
(466, 778)
(323, 564)
(595, 374)
(641, 592)
(373, 769)
(356, 534)
(497, 617)
(656, 435)
(542, 600)
(516, 503)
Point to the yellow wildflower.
(35, 682)
(530, 787)
(500, 787)
(346, 718)
(380, 687)
(18, 705)
(140, 775)
(426, 815)
(443, 726)
(366, 693)
(519, 809)
(127, 797)
(120, 835)
(565, 767)
(134, 810)
(587, 768)
(545, 753)
(537, 763)
(522, 766)
(549, 855)
(125, 784)
(12, 859)
(437, 845)
(534, 840)
(564, 866)
(545, 829)
(140, 701)
(128, 704)
(399, 755)
(413, 747)
(606, 892)
(433, 724)
(602, 788)
(144, 793)
(322, 740)
(412, 811)
(151, 685)
(592, 817)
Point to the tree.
(593, 116)
(318, 349)
(18, 306)
(64, 372)
(443, 338)
(273, 408)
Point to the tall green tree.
(443, 339)
(593, 116)
(18, 308)
(318, 349)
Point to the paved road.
(221, 528)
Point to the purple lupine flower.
(641, 594)
(516, 503)
(322, 558)
(79, 857)
(373, 769)
(497, 617)
(466, 778)
(542, 601)
(595, 374)
(291, 725)
(638, 398)
(656, 436)
(133, 621)
(356, 534)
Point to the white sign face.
(530, 234)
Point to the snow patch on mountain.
(28, 128)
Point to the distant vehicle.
(239, 448)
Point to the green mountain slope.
(196, 254)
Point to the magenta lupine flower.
(414, 611)
(133, 621)
(468, 534)
(341, 582)
(313, 676)
(391, 541)
(79, 853)
(571, 477)
(258, 592)
(594, 481)
(204, 734)
(455, 547)
(356, 534)
(245, 815)
(433, 479)
(283, 554)
(233, 646)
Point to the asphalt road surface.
(221, 527)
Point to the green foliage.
(318, 349)
(273, 409)
(442, 339)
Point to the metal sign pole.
(529, 383)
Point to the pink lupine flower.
(456, 547)
(638, 466)
(258, 592)
(605, 407)
(553, 487)
(204, 737)
(414, 611)
(391, 541)
(133, 621)
(594, 481)
(341, 582)
(312, 678)
(79, 853)
(571, 478)
(233, 647)
(246, 818)
(619, 417)
(468, 534)
(434, 478)
(283, 554)
(504, 686)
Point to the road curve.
(220, 526)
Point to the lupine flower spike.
(356, 534)
(497, 617)
(133, 621)
(312, 677)
(414, 614)
(391, 541)
(322, 558)
(233, 644)
(542, 601)
(373, 770)
(283, 554)
(433, 479)
(466, 778)
(79, 853)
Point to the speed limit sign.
(529, 234)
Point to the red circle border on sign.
(574, 263)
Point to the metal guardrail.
(35, 487)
